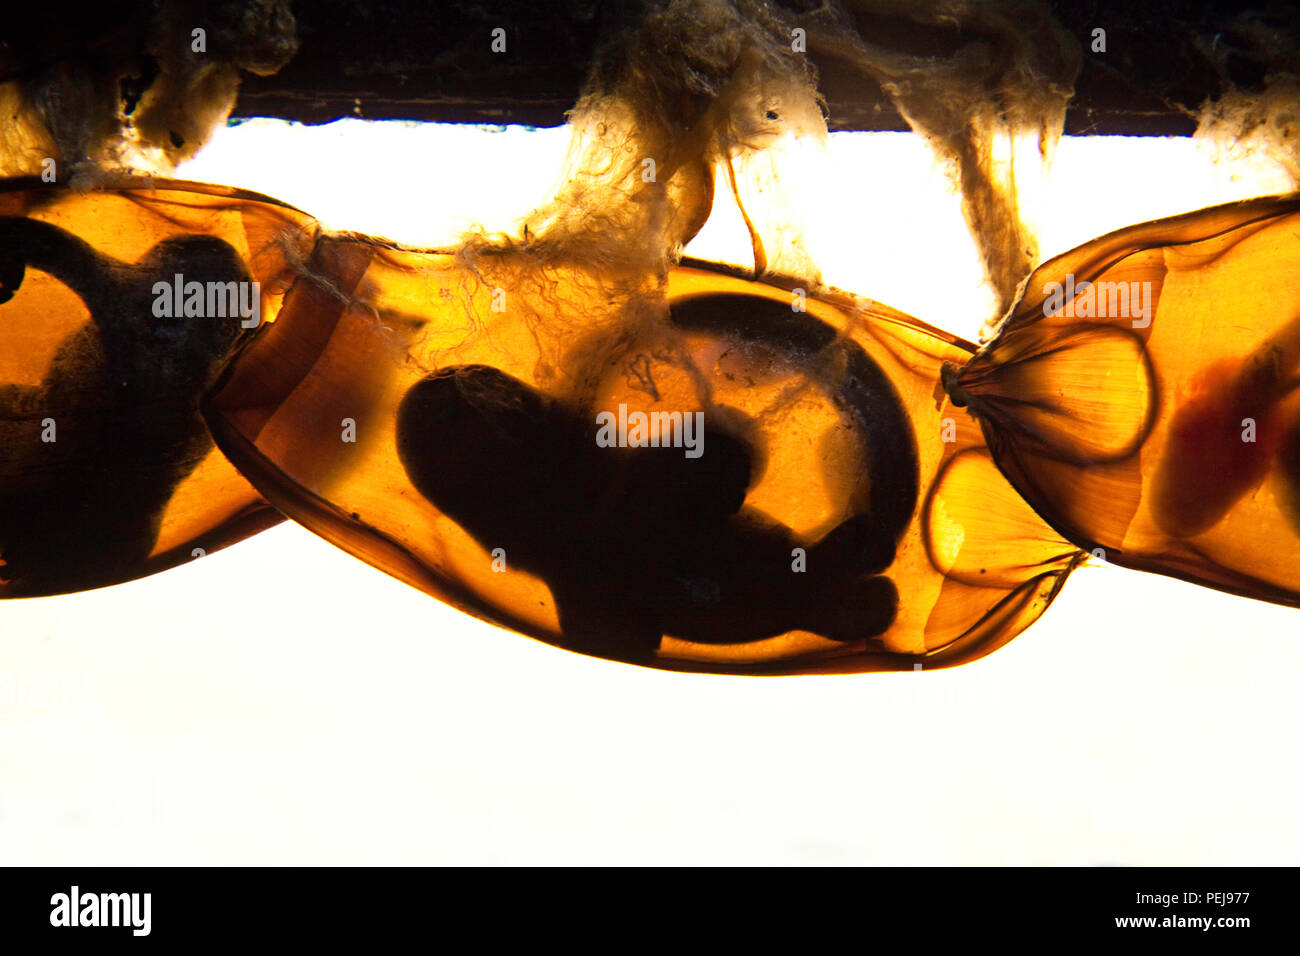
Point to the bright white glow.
(882, 219)
(281, 702)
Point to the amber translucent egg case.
(839, 487)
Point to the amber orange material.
(695, 472)
(106, 470)
(812, 503)
(1142, 396)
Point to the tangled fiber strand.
(1009, 71)
(142, 109)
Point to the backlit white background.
(280, 702)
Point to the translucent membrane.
(107, 472)
(1142, 396)
(750, 480)
(714, 474)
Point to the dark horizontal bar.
(431, 60)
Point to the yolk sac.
(1141, 394)
(1286, 485)
(108, 471)
(1208, 438)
